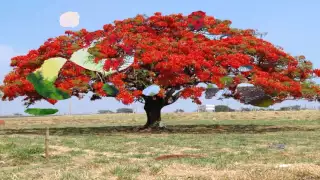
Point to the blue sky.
(25, 25)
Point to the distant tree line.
(286, 108)
(292, 108)
(105, 111)
(120, 110)
(218, 108)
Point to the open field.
(237, 145)
(306, 117)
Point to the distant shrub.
(288, 108)
(245, 109)
(179, 111)
(17, 114)
(223, 108)
(105, 112)
(124, 110)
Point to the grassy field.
(238, 145)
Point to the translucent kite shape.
(43, 79)
(84, 59)
(151, 90)
(128, 60)
(40, 112)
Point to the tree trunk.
(153, 106)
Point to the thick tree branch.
(171, 91)
(100, 77)
(141, 100)
(169, 94)
(173, 99)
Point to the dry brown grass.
(236, 155)
(168, 118)
(84, 161)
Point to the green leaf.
(43, 79)
(210, 86)
(226, 80)
(110, 90)
(39, 112)
(46, 88)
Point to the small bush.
(223, 108)
(124, 110)
(105, 111)
(179, 111)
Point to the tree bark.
(153, 106)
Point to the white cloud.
(69, 19)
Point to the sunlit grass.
(245, 149)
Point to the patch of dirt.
(131, 143)
(181, 170)
(139, 160)
(58, 150)
(228, 150)
(188, 149)
(153, 150)
(171, 156)
(246, 171)
(179, 150)
(310, 168)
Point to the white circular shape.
(69, 19)
(151, 90)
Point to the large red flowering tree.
(176, 53)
